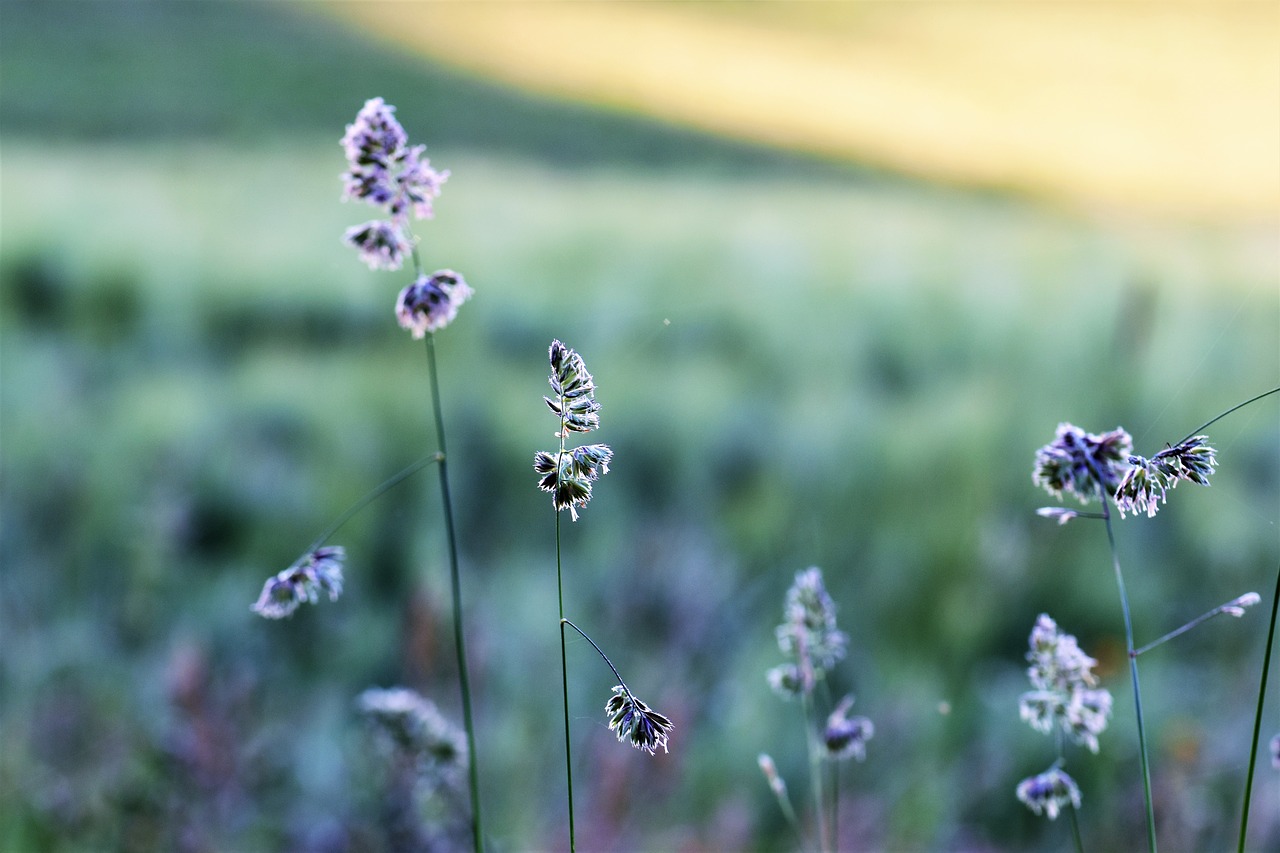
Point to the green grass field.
(799, 364)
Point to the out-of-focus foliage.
(797, 365)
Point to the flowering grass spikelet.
(1082, 464)
(1236, 606)
(386, 172)
(1050, 792)
(431, 302)
(1057, 513)
(1065, 693)
(809, 625)
(382, 245)
(636, 723)
(315, 572)
(845, 736)
(1146, 485)
(569, 472)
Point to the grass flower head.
(431, 302)
(1050, 792)
(845, 736)
(1065, 693)
(315, 572)
(809, 628)
(569, 473)
(635, 722)
(386, 172)
(1082, 464)
(1147, 483)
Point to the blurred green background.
(801, 362)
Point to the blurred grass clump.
(799, 364)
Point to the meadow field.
(801, 361)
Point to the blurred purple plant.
(431, 302)
(315, 572)
(384, 171)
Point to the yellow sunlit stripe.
(1161, 106)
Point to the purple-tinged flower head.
(382, 244)
(569, 472)
(635, 722)
(316, 572)
(1147, 483)
(412, 725)
(845, 736)
(809, 628)
(1275, 752)
(1083, 464)
(1060, 514)
(1065, 695)
(418, 185)
(431, 302)
(375, 138)
(1050, 792)
(384, 171)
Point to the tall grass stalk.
(1133, 677)
(1257, 717)
(815, 768)
(564, 681)
(459, 640)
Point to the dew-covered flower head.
(1065, 693)
(1049, 792)
(1146, 484)
(846, 736)
(1083, 464)
(570, 472)
(315, 572)
(412, 725)
(636, 723)
(431, 302)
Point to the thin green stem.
(1177, 632)
(375, 493)
(1075, 830)
(1214, 420)
(835, 804)
(600, 651)
(779, 789)
(564, 683)
(459, 641)
(1257, 718)
(815, 771)
(1133, 675)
